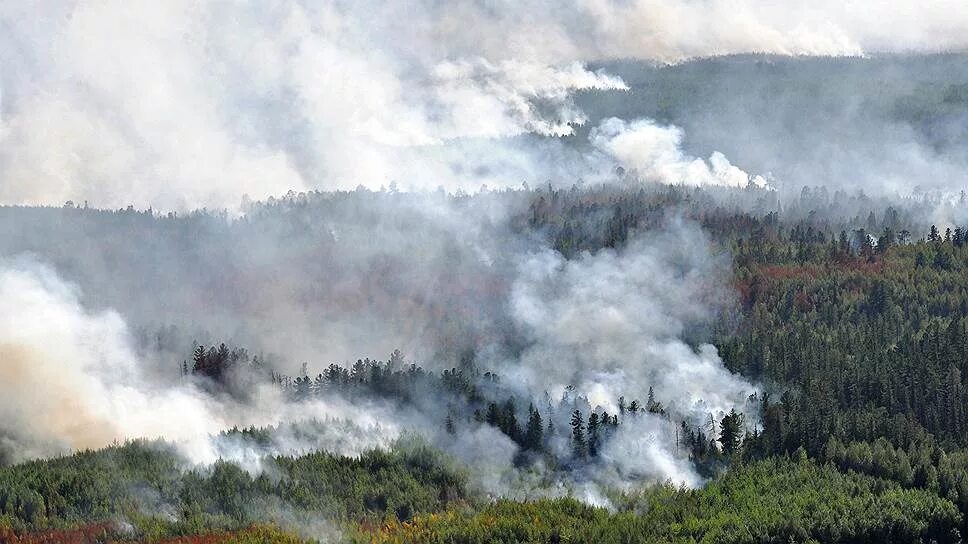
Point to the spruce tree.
(533, 434)
(730, 434)
(449, 424)
(578, 444)
(593, 436)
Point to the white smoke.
(613, 322)
(330, 424)
(179, 104)
(654, 153)
(672, 30)
(513, 97)
(646, 449)
(71, 380)
(182, 104)
(611, 325)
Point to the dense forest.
(483, 272)
(853, 325)
(410, 494)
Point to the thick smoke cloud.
(654, 153)
(439, 276)
(611, 323)
(887, 125)
(673, 30)
(71, 379)
(181, 104)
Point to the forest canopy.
(851, 326)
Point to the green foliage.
(731, 432)
(858, 332)
(146, 483)
(862, 348)
(769, 501)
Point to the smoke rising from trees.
(431, 275)
(181, 105)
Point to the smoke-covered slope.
(892, 123)
(446, 263)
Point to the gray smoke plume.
(654, 153)
(72, 380)
(183, 104)
(440, 276)
(613, 322)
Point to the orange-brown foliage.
(100, 533)
(94, 533)
(814, 271)
(763, 277)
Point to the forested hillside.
(410, 495)
(852, 325)
(483, 272)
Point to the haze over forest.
(483, 271)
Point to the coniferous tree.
(534, 432)
(730, 434)
(510, 421)
(493, 416)
(319, 384)
(198, 360)
(449, 424)
(578, 443)
(593, 434)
